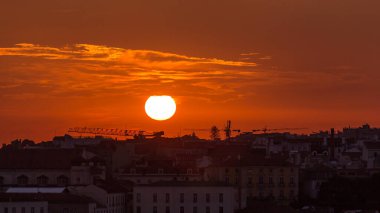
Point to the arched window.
(22, 180)
(62, 180)
(42, 180)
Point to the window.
(189, 171)
(167, 197)
(22, 180)
(261, 180)
(5, 210)
(227, 179)
(23, 210)
(138, 197)
(1, 180)
(182, 209)
(154, 209)
(195, 197)
(207, 209)
(270, 179)
(249, 180)
(42, 210)
(182, 197)
(220, 209)
(220, 198)
(195, 209)
(138, 209)
(32, 210)
(167, 209)
(281, 180)
(207, 198)
(292, 180)
(281, 194)
(155, 197)
(62, 180)
(14, 210)
(42, 180)
(236, 179)
(160, 171)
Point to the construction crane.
(228, 130)
(114, 132)
(265, 130)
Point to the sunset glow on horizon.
(258, 63)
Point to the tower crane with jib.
(115, 132)
(228, 131)
(265, 130)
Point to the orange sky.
(260, 63)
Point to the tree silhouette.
(214, 133)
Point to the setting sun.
(160, 107)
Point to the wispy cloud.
(250, 54)
(86, 69)
(142, 58)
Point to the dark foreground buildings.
(270, 172)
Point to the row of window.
(24, 210)
(261, 180)
(250, 171)
(181, 197)
(161, 171)
(116, 200)
(281, 194)
(181, 209)
(41, 180)
(174, 179)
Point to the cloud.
(250, 54)
(86, 70)
(139, 58)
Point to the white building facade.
(184, 197)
